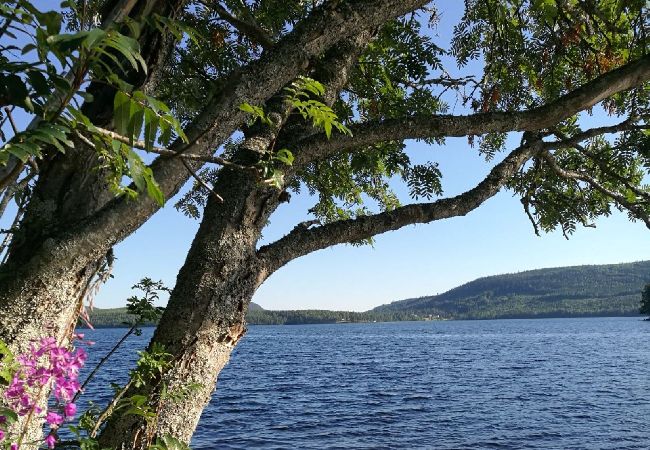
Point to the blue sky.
(415, 261)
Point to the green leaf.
(150, 128)
(28, 48)
(10, 414)
(137, 119)
(39, 82)
(14, 89)
(122, 113)
(52, 21)
(94, 38)
(168, 442)
(22, 150)
(328, 129)
(136, 168)
(256, 112)
(58, 131)
(67, 43)
(153, 189)
(284, 156)
(165, 132)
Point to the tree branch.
(167, 152)
(626, 77)
(248, 28)
(636, 210)
(255, 84)
(302, 240)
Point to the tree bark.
(49, 271)
(205, 315)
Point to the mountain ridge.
(572, 290)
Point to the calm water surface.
(508, 384)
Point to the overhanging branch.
(329, 24)
(626, 77)
(302, 240)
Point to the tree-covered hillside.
(613, 289)
(119, 317)
(606, 290)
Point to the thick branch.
(221, 116)
(626, 77)
(303, 240)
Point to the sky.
(414, 261)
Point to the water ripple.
(509, 384)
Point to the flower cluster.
(46, 366)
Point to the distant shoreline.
(528, 317)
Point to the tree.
(321, 96)
(645, 300)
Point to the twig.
(249, 28)
(635, 209)
(11, 119)
(167, 152)
(109, 409)
(103, 360)
(201, 182)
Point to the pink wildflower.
(46, 364)
(70, 409)
(50, 440)
(53, 418)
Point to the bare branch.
(8, 111)
(201, 182)
(618, 80)
(303, 240)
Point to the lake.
(507, 384)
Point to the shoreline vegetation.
(579, 291)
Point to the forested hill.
(612, 289)
(119, 317)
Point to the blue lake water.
(507, 384)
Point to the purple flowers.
(45, 366)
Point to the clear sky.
(414, 261)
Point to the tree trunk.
(49, 270)
(206, 311)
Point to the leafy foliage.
(554, 46)
(151, 365)
(7, 365)
(34, 82)
(645, 300)
(322, 116)
(142, 308)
